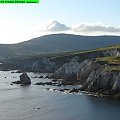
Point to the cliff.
(42, 65)
(100, 75)
(96, 70)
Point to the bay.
(22, 102)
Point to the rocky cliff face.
(112, 52)
(96, 70)
(92, 74)
(42, 65)
(69, 71)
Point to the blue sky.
(22, 22)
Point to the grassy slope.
(54, 56)
(113, 62)
(61, 58)
(84, 51)
(56, 43)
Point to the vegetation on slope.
(57, 43)
(110, 60)
(113, 62)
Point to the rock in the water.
(44, 83)
(12, 72)
(54, 80)
(24, 79)
(19, 71)
(36, 108)
(74, 90)
(16, 82)
(41, 76)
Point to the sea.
(34, 102)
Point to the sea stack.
(24, 79)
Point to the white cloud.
(95, 28)
(82, 28)
(52, 25)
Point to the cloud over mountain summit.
(55, 26)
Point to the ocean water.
(20, 102)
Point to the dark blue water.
(17, 103)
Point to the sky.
(21, 22)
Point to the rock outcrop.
(44, 66)
(116, 85)
(41, 65)
(69, 72)
(94, 76)
(24, 79)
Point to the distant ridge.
(58, 43)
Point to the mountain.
(57, 43)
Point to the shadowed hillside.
(57, 43)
